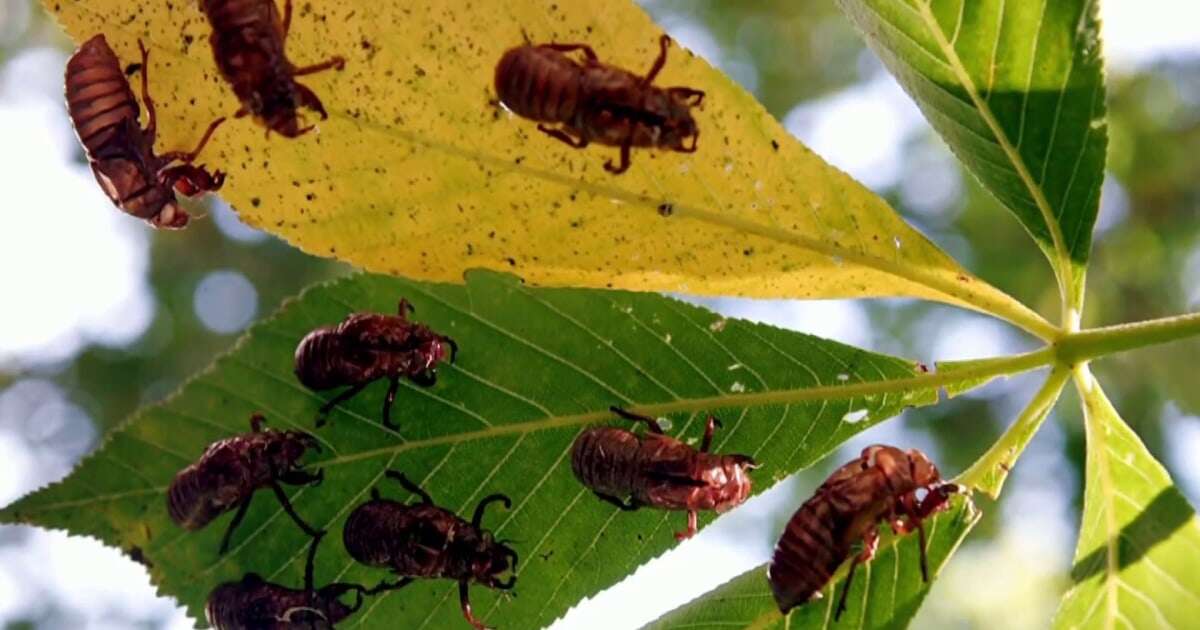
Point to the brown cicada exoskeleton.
(253, 603)
(596, 102)
(230, 471)
(121, 153)
(248, 39)
(426, 541)
(656, 470)
(882, 484)
(366, 347)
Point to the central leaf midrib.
(1008, 365)
(923, 382)
(952, 291)
(1091, 396)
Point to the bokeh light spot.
(225, 301)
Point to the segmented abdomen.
(409, 540)
(320, 359)
(819, 536)
(242, 24)
(807, 554)
(247, 43)
(227, 472)
(261, 606)
(607, 460)
(189, 499)
(539, 84)
(229, 607)
(99, 98)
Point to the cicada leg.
(870, 544)
(323, 412)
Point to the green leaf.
(1017, 91)
(417, 173)
(535, 367)
(886, 592)
(1137, 564)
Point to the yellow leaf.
(417, 173)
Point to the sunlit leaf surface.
(535, 367)
(1136, 561)
(1017, 91)
(885, 593)
(418, 173)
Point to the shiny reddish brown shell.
(853, 500)
(539, 83)
(229, 471)
(105, 115)
(659, 471)
(248, 43)
(255, 604)
(365, 347)
(593, 101)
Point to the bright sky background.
(59, 231)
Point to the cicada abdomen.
(882, 484)
(253, 603)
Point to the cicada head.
(491, 559)
(289, 447)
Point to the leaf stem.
(988, 473)
(1089, 344)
